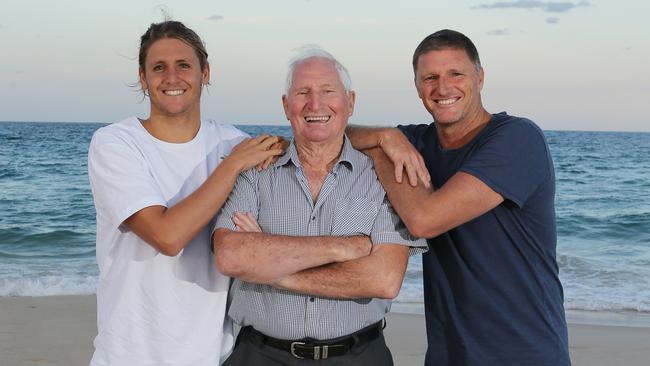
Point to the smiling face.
(449, 85)
(173, 78)
(317, 103)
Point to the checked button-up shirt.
(351, 202)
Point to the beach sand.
(58, 331)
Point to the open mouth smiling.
(448, 101)
(317, 119)
(174, 92)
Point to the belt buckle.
(320, 352)
(293, 349)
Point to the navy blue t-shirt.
(491, 288)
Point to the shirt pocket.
(353, 216)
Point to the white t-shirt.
(153, 309)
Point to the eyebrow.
(175, 61)
(321, 86)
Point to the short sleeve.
(410, 131)
(389, 228)
(243, 198)
(420, 136)
(120, 179)
(512, 159)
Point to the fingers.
(266, 141)
(415, 169)
(412, 174)
(280, 145)
(257, 151)
(240, 222)
(410, 160)
(263, 141)
(398, 172)
(423, 173)
(261, 138)
(245, 221)
(269, 141)
(265, 164)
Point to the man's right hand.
(253, 151)
(405, 157)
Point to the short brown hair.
(446, 39)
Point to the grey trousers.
(250, 351)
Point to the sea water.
(47, 217)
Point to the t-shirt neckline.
(167, 144)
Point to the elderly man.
(314, 279)
(491, 288)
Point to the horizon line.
(274, 125)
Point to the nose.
(444, 85)
(171, 74)
(313, 102)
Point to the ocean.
(47, 217)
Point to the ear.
(143, 80)
(352, 96)
(205, 77)
(481, 78)
(415, 82)
(417, 87)
(285, 105)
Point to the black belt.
(319, 350)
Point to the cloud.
(547, 6)
(498, 32)
(552, 20)
(215, 18)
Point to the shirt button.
(313, 218)
(311, 299)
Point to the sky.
(567, 65)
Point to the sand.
(58, 331)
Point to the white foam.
(48, 286)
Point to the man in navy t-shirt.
(491, 288)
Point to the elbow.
(389, 290)
(388, 286)
(223, 254)
(420, 226)
(167, 246)
(232, 260)
(227, 267)
(170, 252)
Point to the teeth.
(317, 118)
(447, 101)
(174, 92)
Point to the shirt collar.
(349, 156)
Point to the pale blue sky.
(576, 65)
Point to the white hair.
(307, 52)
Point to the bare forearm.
(366, 137)
(170, 229)
(427, 213)
(264, 258)
(378, 275)
(404, 156)
(406, 199)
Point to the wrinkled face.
(173, 78)
(317, 103)
(449, 85)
